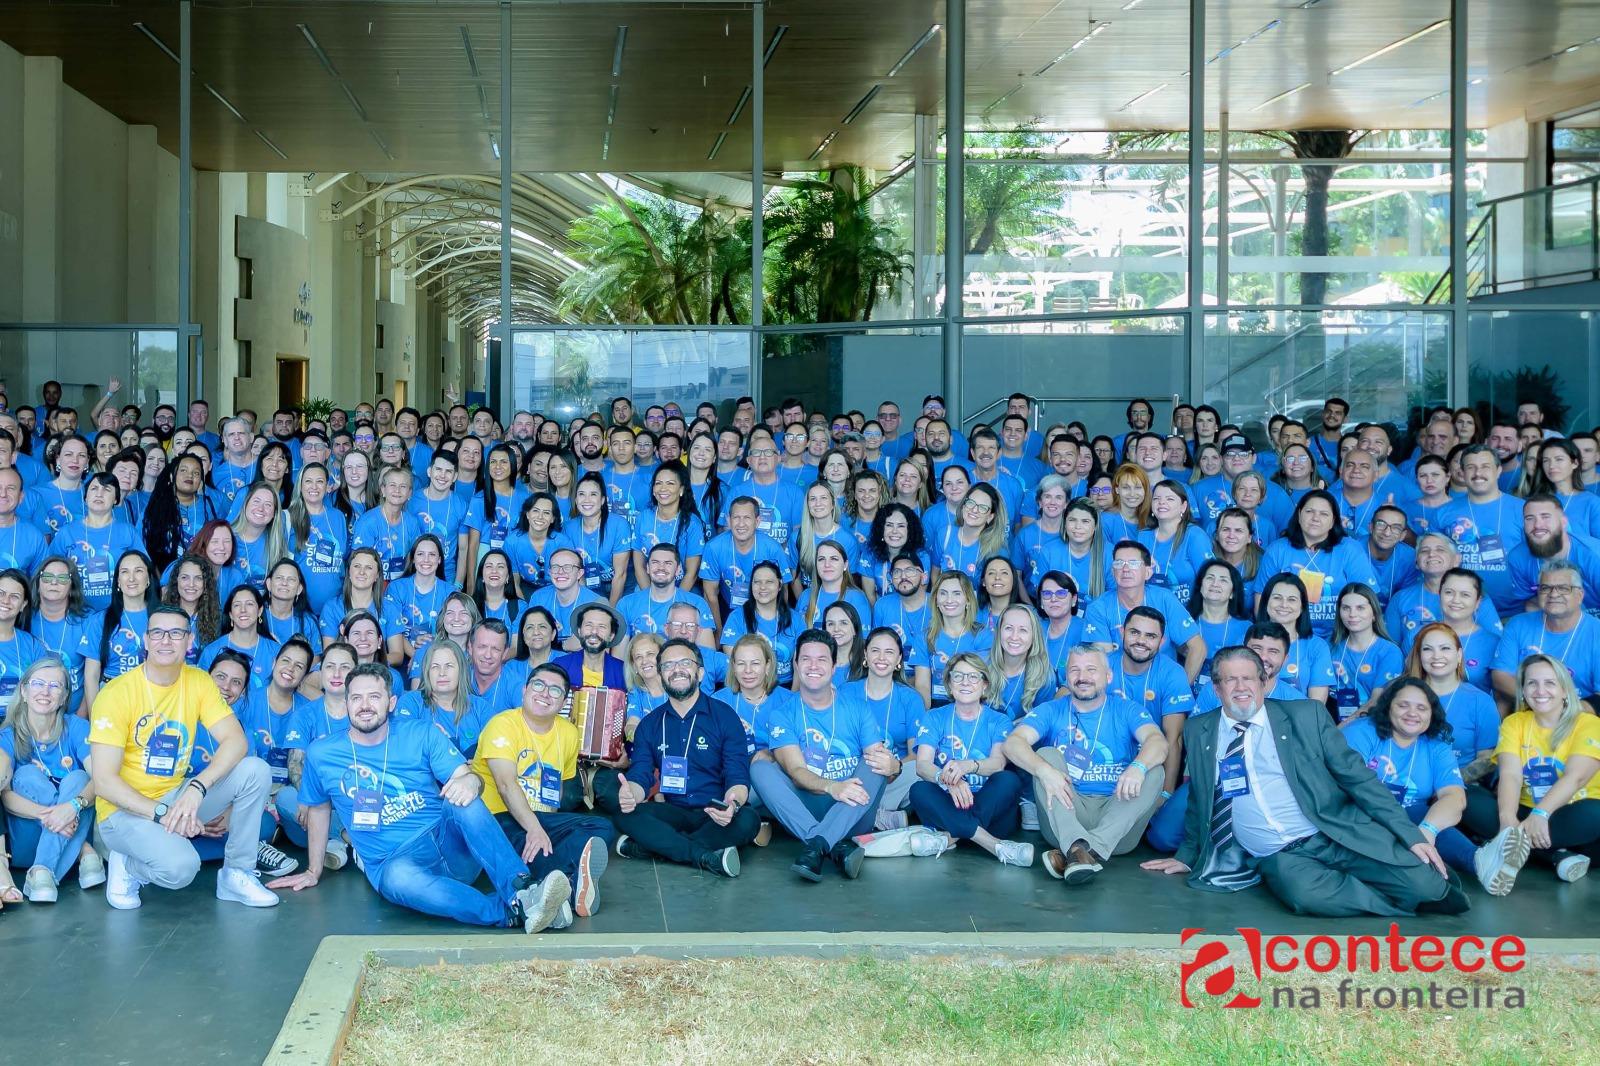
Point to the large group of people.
(1276, 654)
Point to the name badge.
(364, 816)
(1231, 776)
(550, 786)
(1160, 580)
(278, 762)
(1491, 549)
(816, 760)
(1541, 778)
(1078, 762)
(675, 774)
(1348, 700)
(161, 755)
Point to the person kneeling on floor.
(412, 808)
(696, 750)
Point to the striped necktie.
(1225, 867)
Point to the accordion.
(599, 714)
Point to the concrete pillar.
(145, 269)
(218, 199)
(1513, 140)
(41, 183)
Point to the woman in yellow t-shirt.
(1547, 803)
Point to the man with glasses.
(693, 753)
(412, 808)
(565, 593)
(1131, 569)
(365, 438)
(1091, 757)
(830, 763)
(527, 760)
(1546, 536)
(894, 444)
(1393, 560)
(907, 612)
(141, 736)
(1559, 629)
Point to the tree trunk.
(1314, 234)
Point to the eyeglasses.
(363, 438)
(565, 568)
(539, 686)
(38, 684)
(1559, 590)
(55, 579)
(154, 635)
(1295, 460)
(964, 677)
(1126, 564)
(1380, 526)
(762, 453)
(977, 505)
(677, 666)
(1054, 594)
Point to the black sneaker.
(628, 848)
(724, 863)
(809, 863)
(848, 856)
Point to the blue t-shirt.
(124, 649)
(1357, 675)
(16, 655)
(1219, 635)
(1578, 650)
(1414, 774)
(49, 507)
(896, 714)
(414, 613)
(313, 722)
(322, 555)
(831, 740)
(911, 625)
(952, 738)
(272, 735)
(1207, 699)
(781, 505)
(723, 563)
(645, 615)
(260, 656)
(505, 692)
(626, 494)
(600, 548)
(95, 553)
(1013, 692)
(781, 640)
(67, 639)
(67, 753)
(1102, 622)
(1581, 553)
(1161, 687)
(391, 540)
(532, 563)
(1484, 534)
(877, 571)
(405, 772)
(1414, 607)
(547, 598)
(1395, 572)
(1177, 560)
(758, 719)
(1325, 572)
(1108, 734)
(495, 529)
(445, 519)
(649, 530)
(945, 648)
(22, 545)
(1474, 721)
(1308, 664)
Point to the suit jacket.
(1335, 789)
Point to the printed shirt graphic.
(1109, 735)
(130, 710)
(508, 737)
(1542, 764)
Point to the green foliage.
(827, 258)
(314, 409)
(1006, 203)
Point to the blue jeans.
(31, 844)
(1452, 844)
(287, 802)
(1165, 831)
(434, 873)
(569, 834)
(994, 807)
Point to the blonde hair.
(274, 542)
(991, 684)
(1572, 703)
(969, 615)
(23, 738)
(1036, 669)
(460, 705)
(643, 640)
(769, 679)
(808, 533)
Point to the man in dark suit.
(1277, 795)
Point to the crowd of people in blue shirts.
(866, 633)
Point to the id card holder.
(161, 755)
(278, 762)
(550, 787)
(1160, 580)
(1348, 699)
(1313, 581)
(1491, 550)
(816, 761)
(1078, 762)
(1232, 778)
(364, 815)
(1541, 778)
(675, 774)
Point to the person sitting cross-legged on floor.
(1091, 756)
(695, 750)
(1277, 795)
(528, 761)
(964, 785)
(831, 763)
(420, 832)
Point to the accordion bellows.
(599, 714)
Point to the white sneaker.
(122, 888)
(887, 820)
(542, 904)
(1573, 867)
(564, 919)
(337, 855)
(244, 886)
(1014, 852)
(1498, 861)
(91, 870)
(930, 844)
(39, 886)
(1030, 815)
(274, 863)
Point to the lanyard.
(150, 692)
(833, 718)
(356, 762)
(972, 738)
(1124, 675)
(1570, 638)
(688, 737)
(1077, 723)
(1388, 747)
(1344, 660)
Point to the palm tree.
(827, 259)
(1009, 202)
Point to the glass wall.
(1543, 356)
(574, 372)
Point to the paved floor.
(189, 979)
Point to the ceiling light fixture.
(861, 105)
(1282, 96)
(914, 49)
(611, 106)
(1096, 30)
(1386, 49)
(322, 57)
(1236, 45)
(268, 142)
(616, 54)
(472, 58)
(1142, 96)
(1554, 55)
(354, 103)
(483, 103)
(715, 148)
(494, 146)
(157, 41)
(772, 45)
(605, 146)
(1002, 100)
(376, 136)
(1131, 4)
(223, 100)
(823, 147)
(738, 108)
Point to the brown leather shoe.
(1081, 864)
(1054, 863)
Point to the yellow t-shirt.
(508, 737)
(130, 710)
(593, 678)
(1522, 736)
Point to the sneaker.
(1573, 867)
(809, 863)
(930, 844)
(274, 863)
(564, 919)
(540, 905)
(244, 886)
(764, 834)
(91, 870)
(591, 864)
(723, 862)
(39, 886)
(1081, 864)
(627, 849)
(1498, 861)
(1030, 816)
(122, 888)
(848, 856)
(887, 820)
(1014, 853)
(1054, 863)
(337, 855)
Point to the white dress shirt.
(1268, 818)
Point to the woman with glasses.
(61, 621)
(48, 796)
(978, 533)
(1058, 607)
(1297, 472)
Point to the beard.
(594, 645)
(1547, 548)
(679, 690)
(591, 451)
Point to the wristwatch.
(160, 812)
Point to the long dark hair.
(1236, 608)
(163, 514)
(875, 548)
(785, 615)
(1297, 536)
(513, 583)
(300, 607)
(1383, 723)
(114, 612)
(1302, 626)
(687, 512)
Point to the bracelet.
(1140, 765)
(1166, 793)
(78, 805)
(1541, 812)
(1429, 826)
(197, 783)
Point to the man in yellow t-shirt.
(528, 760)
(141, 734)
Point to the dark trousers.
(1575, 827)
(568, 834)
(606, 787)
(683, 834)
(1320, 876)
(994, 807)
